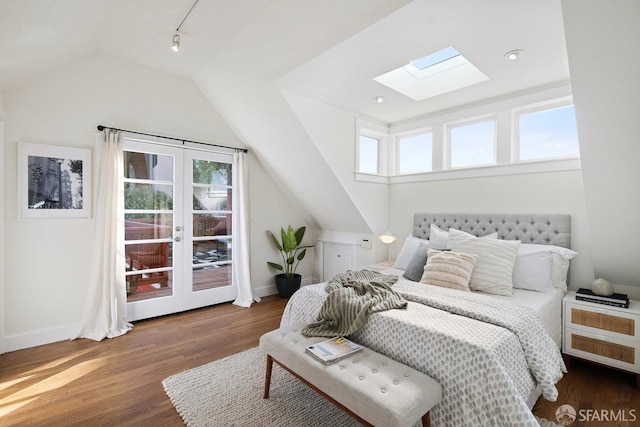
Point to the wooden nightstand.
(602, 333)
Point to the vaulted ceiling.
(250, 57)
(327, 50)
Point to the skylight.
(435, 58)
(443, 71)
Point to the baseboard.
(41, 337)
(265, 291)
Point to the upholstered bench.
(369, 386)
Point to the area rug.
(228, 392)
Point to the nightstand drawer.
(608, 350)
(603, 321)
(624, 325)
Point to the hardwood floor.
(118, 382)
(590, 387)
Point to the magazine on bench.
(328, 351)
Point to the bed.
(494, 350)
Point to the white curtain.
(240, 231)
(106, 304)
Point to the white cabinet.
(601, 333)
(338, 258)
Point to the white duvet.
(487, 370)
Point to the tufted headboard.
(552, 229)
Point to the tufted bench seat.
(369, 386)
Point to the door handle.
(177, 238)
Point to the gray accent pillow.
(415, 267)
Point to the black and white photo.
(55, 181)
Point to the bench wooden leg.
(426, 420)
(267, 376)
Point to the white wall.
(334, 133)
(2, 269)
(47, 261)
(271, 211)
(603, 41)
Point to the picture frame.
(54, 181)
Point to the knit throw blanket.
(353, 296)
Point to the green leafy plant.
(290, 250)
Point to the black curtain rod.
(101, 128)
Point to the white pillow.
(408, 249)
(532, 271)
(438, 238)
(558, 264)
(560, 270)
(493, 272)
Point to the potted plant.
(292, 253)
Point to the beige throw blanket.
(352, 297)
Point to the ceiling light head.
(379, 99)
(175, 45)
(514, 54)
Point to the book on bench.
(333, 349)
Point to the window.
(472, 144)
(531, 133)
(546, 133)
(368, 154)
(414, 153)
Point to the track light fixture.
(175, 43)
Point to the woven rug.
(228, 392)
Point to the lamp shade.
(387, 237)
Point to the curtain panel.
(106, 303)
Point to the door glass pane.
(211, 185)
(148, 226)
(212, 196)
(148, 233)
(211, 263)
(145, 286)
(211, 224)
(148, 166)
(148, 196)
(208, 172)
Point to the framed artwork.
(55, 181)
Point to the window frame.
(449, 126)
(397, 137)
(500, 110)
(381, 133)
(370, 135)
(516, 112)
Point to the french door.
(177, 229)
